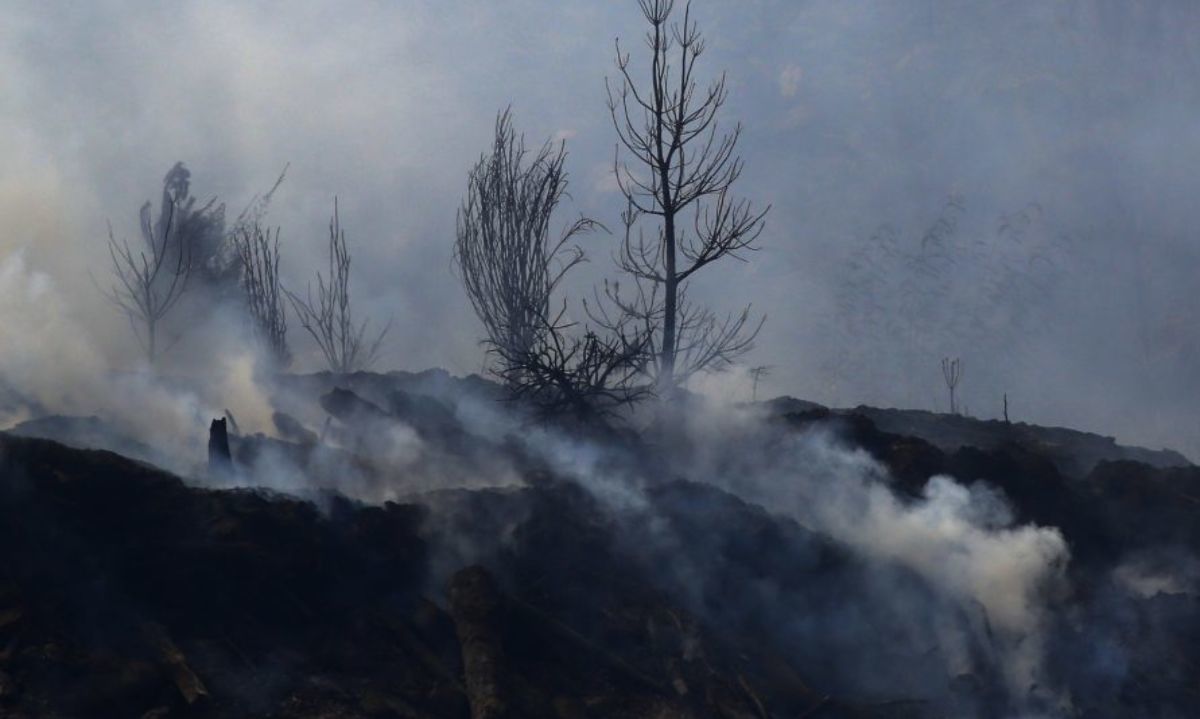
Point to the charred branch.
(328, 316)
(508, 263)
(147, 285)
(258, 252)
(511, 268)
(589, 376)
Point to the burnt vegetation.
(258, 251)
(328, 316)
(678, 176)
(590, 360)
(511, 267)
(573, 534)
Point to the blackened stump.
(220, 461)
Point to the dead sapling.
(258, 252)
(149, 283)
(582, 375)
(329, 317)
(756, 374)
(952, 373)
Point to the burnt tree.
(951, 374)
(149, 283)
(685, 169)
(328, 315)
(199, 231)
(585, 376)
(258, 252)
(511, 266)
(506, 259)
(220, 459)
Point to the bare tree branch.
(258, 251)
(952, 373)
(505, 258)
(586, 377)
(685, 160)
(147, 286)
(511, 268)
(328, 316)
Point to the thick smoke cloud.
(961, 538)
(855, 117)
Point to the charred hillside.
(576, 589)
(217, 502)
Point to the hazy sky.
(856, 116)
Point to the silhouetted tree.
(584, 376)
(686, 164)
(506, 259)
(952, 373)
(756, 374)
(328, 316)
(511, 268)
(149, 283)
(258, 252)
(198, 228)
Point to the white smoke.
(51, 360)
(960, 538)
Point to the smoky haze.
(1042, 153)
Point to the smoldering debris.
(742, 560)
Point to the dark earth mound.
(126, 592)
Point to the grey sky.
(855, 114)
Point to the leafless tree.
(756, 374)
(328, 316)
(503, 251)
(199, 227)
(686, 163)
(952, 373)
(511, 267)
(258, 252)
(150, 282)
